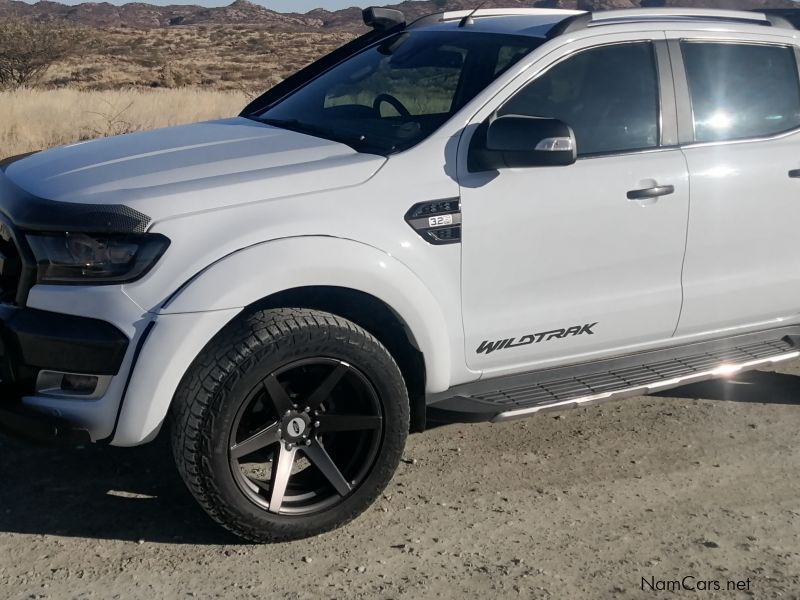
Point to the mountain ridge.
(245, 12)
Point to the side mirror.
(514, 141)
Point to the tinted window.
(395, 94)
(423, 86)
(608, 95)
(741, 90)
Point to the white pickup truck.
(474, 217)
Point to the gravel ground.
(582, 504)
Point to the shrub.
(28, 49)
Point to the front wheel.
(289, 424)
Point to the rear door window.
(741, 91)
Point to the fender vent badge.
(438, 222)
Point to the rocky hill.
(244, 12)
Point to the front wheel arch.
(376, 317)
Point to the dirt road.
(584, 504)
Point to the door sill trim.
(517, 396)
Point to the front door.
(563, 262)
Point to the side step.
(518, 396)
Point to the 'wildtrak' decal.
(535, 338)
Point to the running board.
(519, 396)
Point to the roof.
(538, 22)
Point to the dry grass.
(33, 119)
(128, 80)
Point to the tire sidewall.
(352, 346)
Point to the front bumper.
(33, 340)
(33, 426)
(160, 348)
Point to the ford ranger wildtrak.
(478, 216)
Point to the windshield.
(395, 94)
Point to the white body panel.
(572, 256)
(742, 256)
(741, 253)
(252, 210)
(193, 168)
(551, 248)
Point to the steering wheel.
(389, 99)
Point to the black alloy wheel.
(306, 436)
(290, 423)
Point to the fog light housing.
(56, 384)
(80, 384)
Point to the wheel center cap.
(296, 427)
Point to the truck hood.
(204, 166)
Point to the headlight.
(93, 259)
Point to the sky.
(279, 5)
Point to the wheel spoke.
(256, 442)
(326, 387)
(319, 457)
(280, 399)
(281, 472)
(328, 423)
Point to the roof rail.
(457, 15)
(615, 17)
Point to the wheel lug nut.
(308, 409)
(316, 423)
(308, 442)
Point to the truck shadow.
(760, 387)
(100, 492)
(136, 494)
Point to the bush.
(27, 49)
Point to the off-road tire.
(215, 387)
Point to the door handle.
(794, 173)
(653, 192)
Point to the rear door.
(740, 109)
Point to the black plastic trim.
(32, 213)
(668, 111)
(28, 269)
(683, 99)
(10, 160)
(58, 342)
(34, 426)
(438, 234)
(142, 340)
